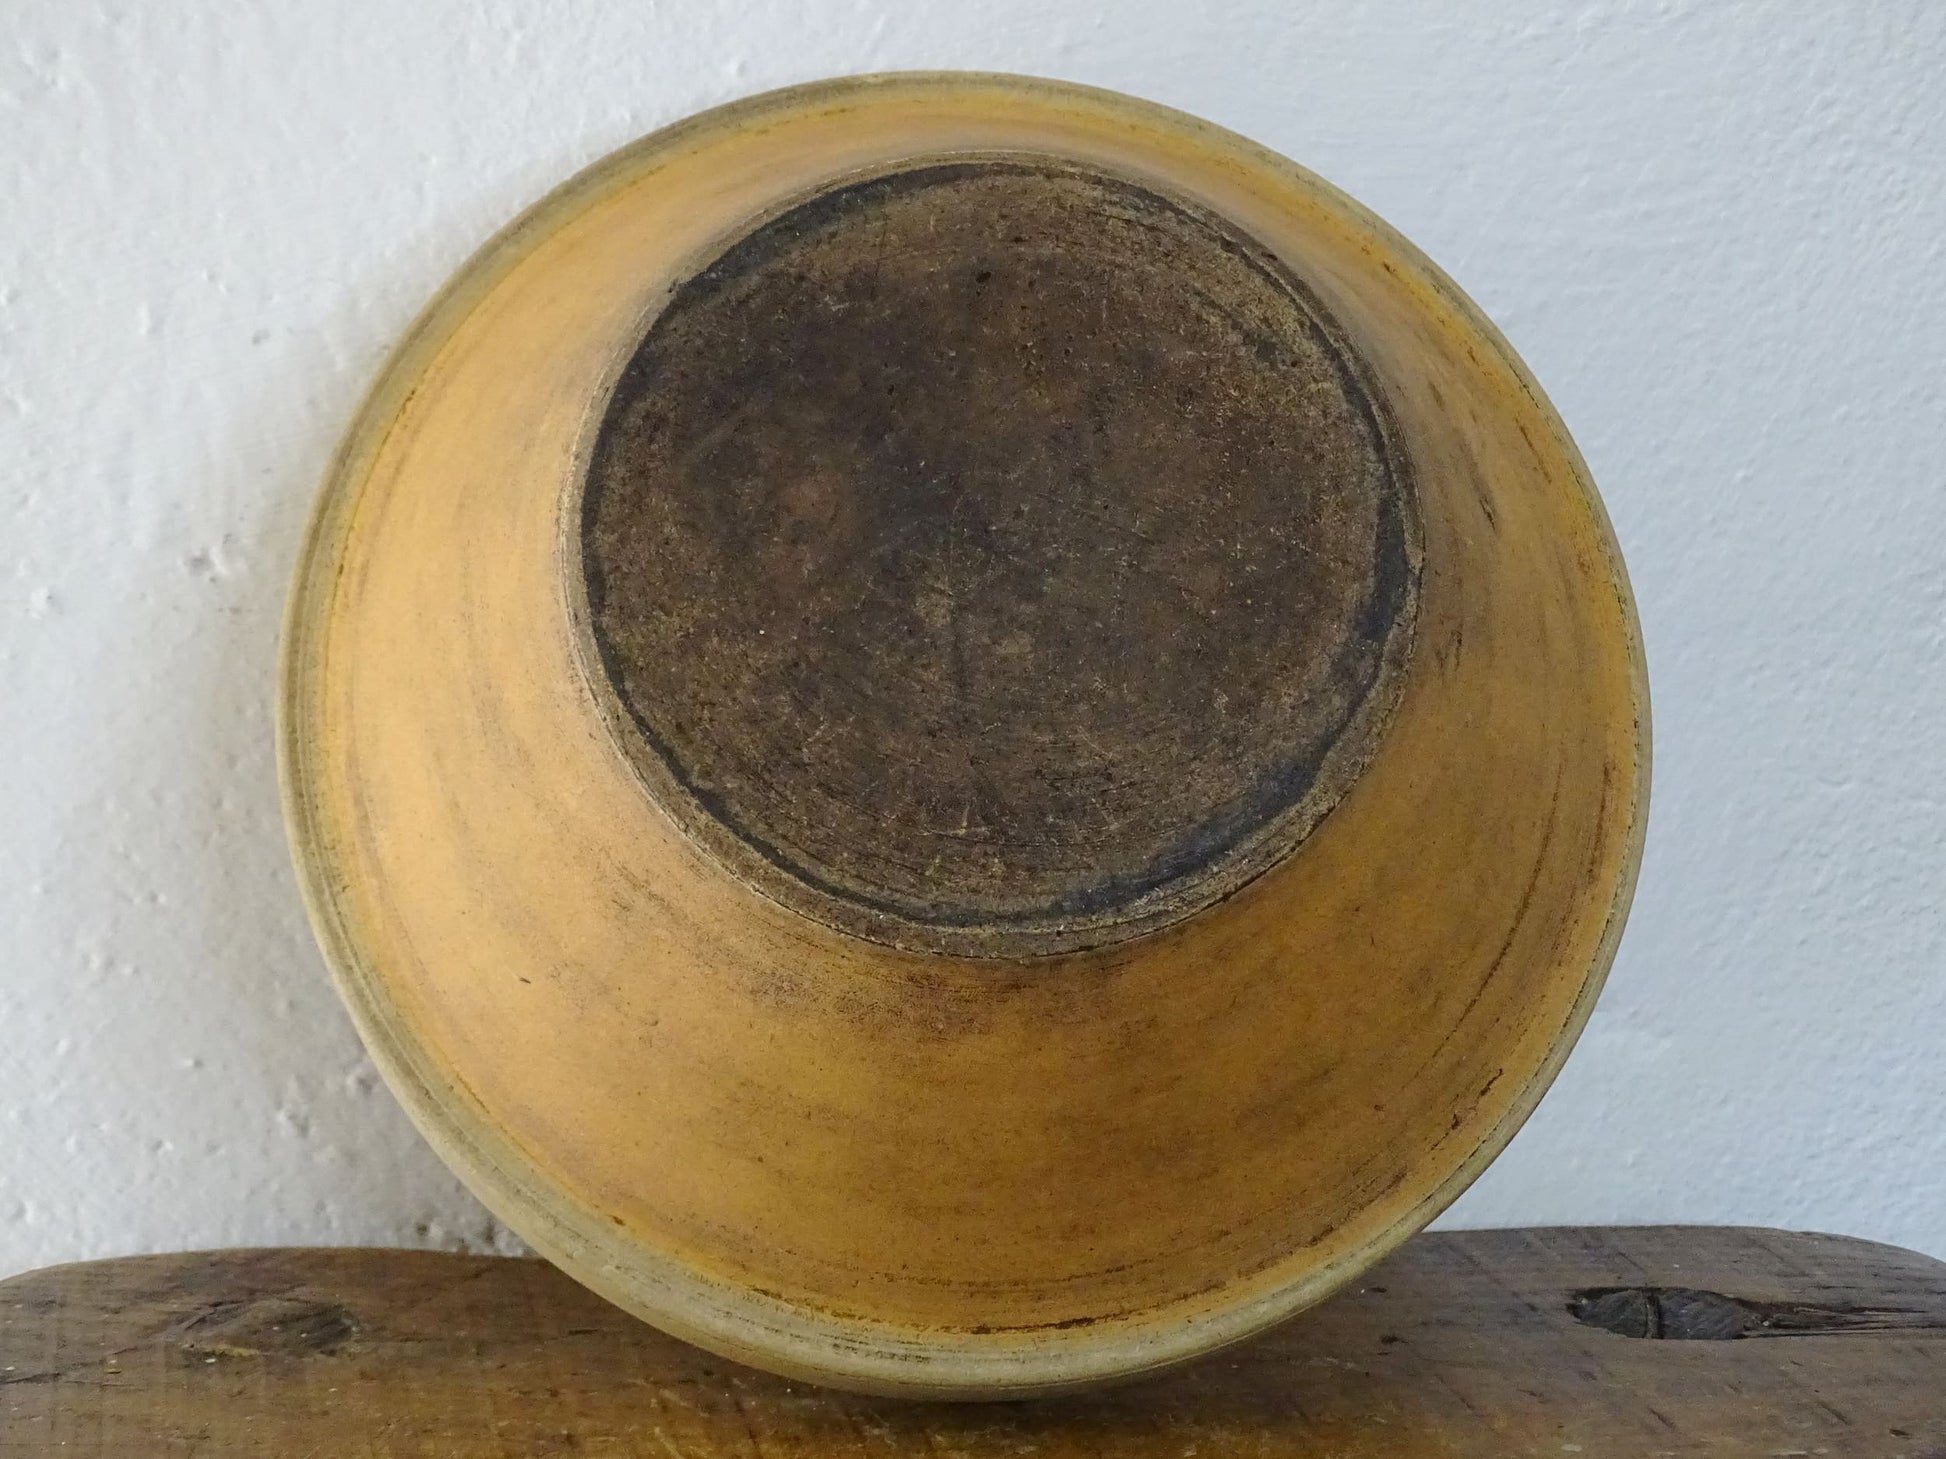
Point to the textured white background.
(1714, 230)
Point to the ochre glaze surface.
(997, 556)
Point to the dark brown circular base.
(997, 558)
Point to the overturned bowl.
(959, 736)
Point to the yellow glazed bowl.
(677, 998)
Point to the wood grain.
(1459, 1346)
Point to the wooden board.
(1495, 1344)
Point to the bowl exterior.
(895, 1171)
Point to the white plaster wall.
(1714, 230)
